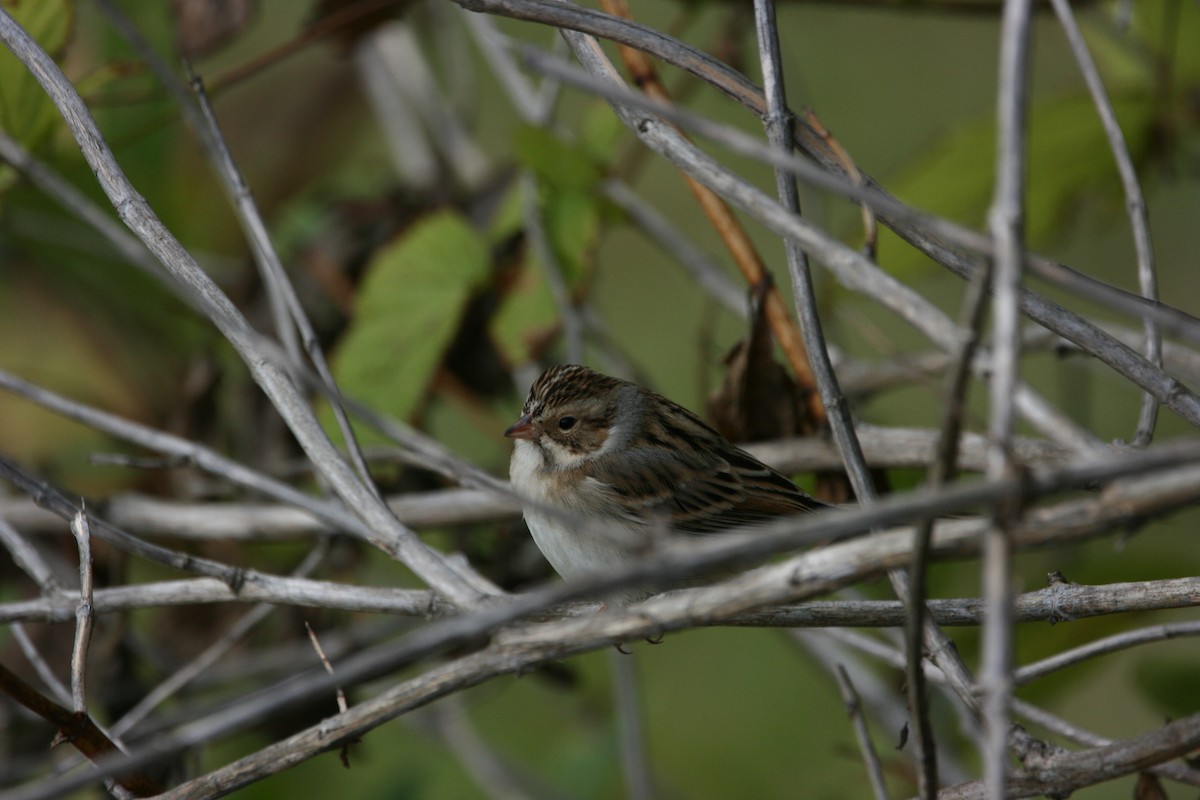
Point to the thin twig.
(865, 745)
(1027, 710)
(779, 132)
(1006, 221)
(635, 762)
(84, 735)
(56, 502)
(942, 471)
(1063, 773)
(54, 186)
(1135, 205)
(556, 280)
(530, 105)
(1099, 647)
(316, 643)
(84, 618)
(831, 646)
(707, 274)
(290, 318)
(494, 775)
(218, 648)
(838, 412)
(26, 556)
(61, 693)
(937, 238)
(1174, 770)
(292, 406)
(1054, 604)
(329, 513)
(849, 267)
(261, 587)
(835, 404)
(741, 248)
(801, 577)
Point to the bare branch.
(136, 213)
(1099, 647)
(1006, 221)
(572, 322)
(940, 240)
(61, 693)
(26, 556)
(862, 734)
(1066, 772)
(1057, 603)
(812, 573)
(1135, 204)
(84, 618)
(316, 643)
(635, 762)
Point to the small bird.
(605, 448)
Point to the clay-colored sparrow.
(606, 448)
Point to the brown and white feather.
(599, 446)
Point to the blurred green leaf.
(1172, 683)
(572, 223)
(1124, 68)
(601, 131)
(510, 215)
(49, 342)
(555, 162)
(1170, 30)
(528, 311)
(26, 112)
(409, 306)
(1069, 157)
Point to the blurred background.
(394, 168)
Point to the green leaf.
(555, 162)
(528, 312)
(509, 217)
(572, 223)
(601, 131)
(1124, 68)
(1170, 30)
(1069, 157)
(26, 113)
(409, 307)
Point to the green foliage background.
(729, 713)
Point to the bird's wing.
(710, 488)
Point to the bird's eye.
(566, 423)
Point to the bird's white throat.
(570, 551)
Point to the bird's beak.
(521, 429)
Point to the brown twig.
(76, 729)
(316, 643)
(870, 225)
(84, 618)
(720, 215)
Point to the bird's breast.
(569, 549)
